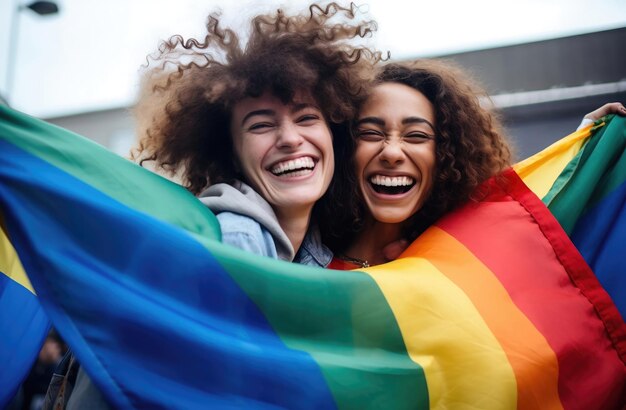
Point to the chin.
(391, 217)
(301, 200)
(307, 196)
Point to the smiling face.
(284, 151)
(395, 152)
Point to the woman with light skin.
(422, 145)
(284, 153)
(252, 129)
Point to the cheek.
(431, 163)
(325, 145)
(361, 157)
(328, 147)
(246, 158)
(424, 157)
(330, 162)
(431, 167)
(328, 153)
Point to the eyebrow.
(296, 108)
(417, 120)
(409, 120)
(371, 120)
(257, 112)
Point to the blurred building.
(543, 89)
(114, 128)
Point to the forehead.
(268, 100)
(395, 101)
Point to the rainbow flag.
(582, 180)
(492, 308)
(23, 323)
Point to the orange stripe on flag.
(533, 361)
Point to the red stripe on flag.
(550, 282)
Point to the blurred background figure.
(33, 390)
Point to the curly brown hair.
(183, 113)
(470, 147)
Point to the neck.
(295, 223)
(372, 239)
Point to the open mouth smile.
(293, 167)
(391, 185)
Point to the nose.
(391, 153)
(288, 135)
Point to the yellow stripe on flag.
(541, 170)
(10, 263)
(447, 337)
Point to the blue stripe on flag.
(600, 236)
(23, 328)
(149, 312)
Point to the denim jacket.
(248, 222)
(245, 233)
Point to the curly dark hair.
(183, 113)
(470, 148)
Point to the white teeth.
(391, 181)
(304, 163)
(299, 173)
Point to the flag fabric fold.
(493, 307)
(582, 180)
(23, 323)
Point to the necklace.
(360, 262)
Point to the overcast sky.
(86, 58)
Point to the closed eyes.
(414, 137)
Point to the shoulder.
(246, 233)
(312, 252)
(234, 222)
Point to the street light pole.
(42, 8)
(10, 72)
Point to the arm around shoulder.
(606, 109)
(246, 234)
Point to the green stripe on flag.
(595, 172)
(344, 321)
(113, 175)
(341, 318)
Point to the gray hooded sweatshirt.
(248, 222)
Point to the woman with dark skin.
(423, 144)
